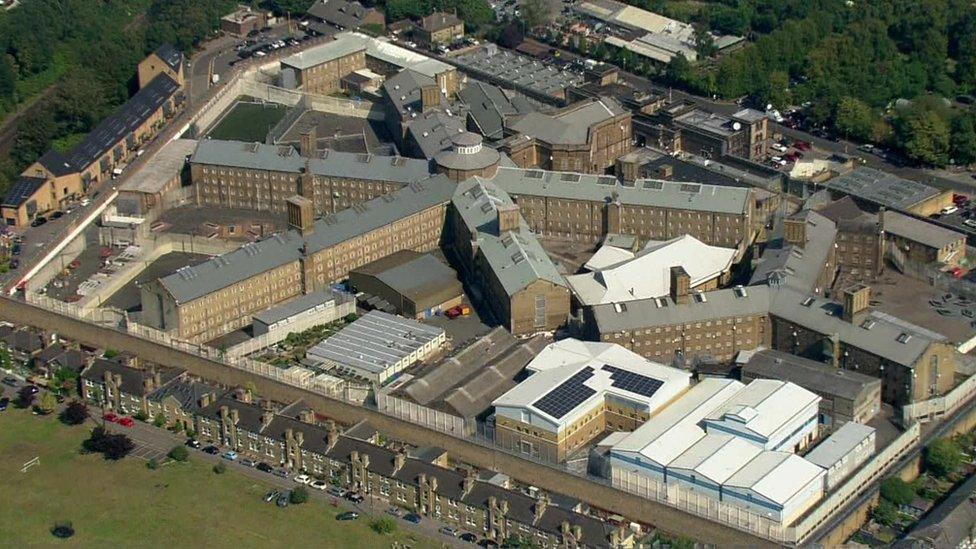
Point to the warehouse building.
(876, 189)
(923, 242)
(841, 453)
(579, 390)
(377, 347)
(412, 284)
(302, 313)
(845, 395)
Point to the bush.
(25, 396)
(75, 413)
(351, 317)
(159, 420)
(179, 453)
(943, 457)
(220, 468)
(110, 353)
(46, 404)
(897, 491)
(63, 530)
(153, 464)
(299, 495)
(383, 525)
(140, 415)
(885, 513)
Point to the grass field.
(247, 121)
(125, 504)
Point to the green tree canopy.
(897, 491)
(943, 457)
(853, 118)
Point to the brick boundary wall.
(595, 494)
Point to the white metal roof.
(716, 457)
(776, 476)
(563, 359)
(764, 405)
(648, 274)
(346, 43)
(839, 444)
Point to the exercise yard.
(126, 504)
(248, 120)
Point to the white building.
(716, 442)
(378, 346)
(843, 451)
(618, 275)
(772, 414)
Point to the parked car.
(283, 473)
(348, 515)
(264, 467)
(126, 421)
(778, 147)
(33, 389)
(283, 499)
(319, 485)
(468, 537)
(4, 402)
(337, 492)
(38, 222)
(10, 381)
(412, 518)
(271, 496)
(355, 497)
(453, 312)
(448, 531)
(212, 450)
(109, 416)
(395, 511)
(15, 250)
(948, 210)
(57, 215)
(802, 145)
(303, 479)
(229, 455)
(970, 223)
(193, 443)
(248, 462)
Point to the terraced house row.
(293, 437)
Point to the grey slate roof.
(298, 305)
(515, 257)
(878, 333)
(254, 258)
(881, 188)
(249, 415)
(798, 266)
(647, 313)
(815, 376)
(132, 378)
(432, 131)
(170, 55)
(418, 277)
(488, 107)
(919, 230)
(187, 393)
(848, 216)
(347, 15)
(606, 188)
(259, 156)
(403, 91)
(519, 70)
(570, 126)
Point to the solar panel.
(633, 382)
(567, 395)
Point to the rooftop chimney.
(301, 214)
(332, 435)
(857, 298)
(266, 418)
(795, 231)
(680, 285)
(399, 460)
(430, 97)
(307, 143)
(665, 172)
(508, 218)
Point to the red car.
(959, 199)
(802, 145)
(126, 422)
(453, 312)
(109, 416)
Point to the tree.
(777, 90)
(8, 79)
(299, 495)
(537, 13)
(510, 36)
(160, 420)
(922, 132)
(75, 413)
(179, 453)
(47, 403)
(112, 446)
(885, 513)
(220, 468)
(943, 457)
(383, 525)
(679, 70)
(26, 395)
(853, 118)
(897, 491)
(963, 139)
(704, 42)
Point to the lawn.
(125, 504)
(248, 121)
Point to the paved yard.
(125, 504)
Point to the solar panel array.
(567, 395)
(633, 382)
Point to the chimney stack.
(508, 218)
(680, 285)
(235, 416)
(430, 97)
(795, 231)
(266, 417)
(665, 172)
(628, 168)
(301, 214)
(857, 298)
(307, 415)
(399, 460)
(308, 143)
